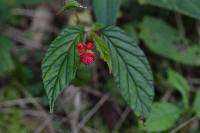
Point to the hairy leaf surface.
(131, 70)
(60, 63)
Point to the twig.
(25, 112)
(166, 96)
(38, 106)
(19, 102)
(34, 113)
(96, 93)
(77, 109)
(92, 91)
(183, 124)
(23, 12)
(42, 126)
(19, 36)
(93, 111)
(194, 81)
(121, 120)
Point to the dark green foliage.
(131, 70)
(187, 7)
(6, 64)
(168, 31)
(60, 63)
(164, 40)
(162, 117)
(106, 11)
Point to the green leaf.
(164, 40)
(131, 70)
(6, 64)
(83, 75)
(103, 49)
(196, 105)
(187, 7)
(178, 82)
(162, 117)
(71, 4)
(106, 11)
(130, 29)
(5, 11)
(110, 86)
(59, 65)
(31, 2)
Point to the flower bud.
(87, 58)
(89, 46)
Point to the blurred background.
(167, 30)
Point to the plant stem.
(183, 124)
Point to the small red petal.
(87, 58)
(81, 47)
(89, 46)
(81, 50)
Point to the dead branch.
(93, 111)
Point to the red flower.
(89, 46)
(87, 58)
(81, 47)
